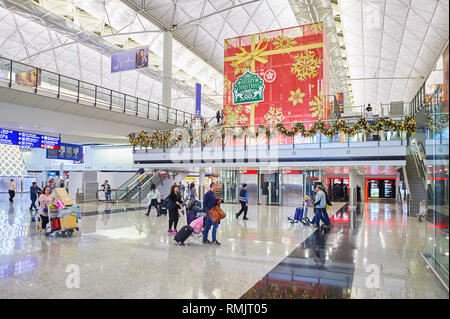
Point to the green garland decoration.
(361, 125)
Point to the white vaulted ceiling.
(384, 48)
(204, 24)
(392, 45)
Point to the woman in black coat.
(174, 203)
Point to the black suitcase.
(163, 211)
(183, 234)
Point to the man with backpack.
(243, 200)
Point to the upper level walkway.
(239, 146)
(23, 84)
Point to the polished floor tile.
(129, 255)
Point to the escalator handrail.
(145, 184)
(128, 189)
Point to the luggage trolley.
(62, 222)
(301, 213)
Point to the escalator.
(130, 187)
(140, 191)
(416, 175)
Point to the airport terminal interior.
(224, 149)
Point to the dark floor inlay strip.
(113, 211)
(321, 267)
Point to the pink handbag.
(197, 224)
(60, 204)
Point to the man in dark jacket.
(243, 200)
(34, 190)
(209, 201)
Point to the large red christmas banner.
(278, 76)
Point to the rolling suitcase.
(298, 213)
(55, 224)
(183, 234)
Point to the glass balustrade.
(31, 79)
(256, 136)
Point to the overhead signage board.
(28, 139)
(8, 137)
(11, 137)
(50, 142)
(129, 60)
(71, 152)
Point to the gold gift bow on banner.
(257, 53)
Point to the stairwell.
(416, 185)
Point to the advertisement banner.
(198, 99)
(278, 76)
(129, 60)
(29, 78)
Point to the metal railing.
(111, 198)
(128, 188)
(419, 156)
(247, 138)
(27, 78)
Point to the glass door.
(270, 188)
(229, 186)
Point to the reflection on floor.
(320, 267)
(130, 255)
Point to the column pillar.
(201, 186)
(353, 181)
(167, 69)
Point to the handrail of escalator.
(129, 181)
(420, 160)
(135, 183)
(144, 185)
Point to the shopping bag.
(197, 224)
(59, 204)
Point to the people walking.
(11, 190)
(52, 184)
(45, 199)
(34, 190)
(243, 200)
(218, 117)
(209, 201)
(154, 197)
(192, 191)
(174, 204)
(320, 210)
(181, 189)
(107, 190)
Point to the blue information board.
(28, 139)
(8, 137)
(11, 137)
(50, 142)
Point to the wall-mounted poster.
(129, 60)
(29, 78)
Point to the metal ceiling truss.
(51, 21)
(313, 11)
